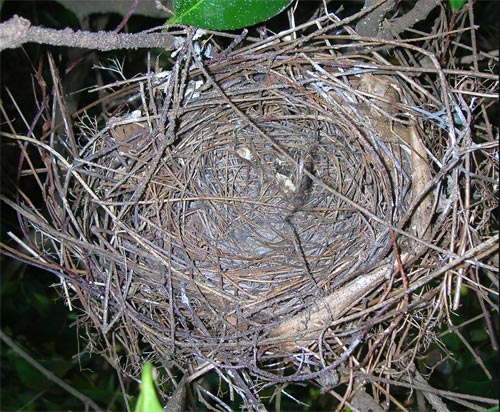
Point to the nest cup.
(261, 207)
(248, 213)
(264, 204)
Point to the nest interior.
(262, 214)
(271, 197)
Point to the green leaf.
(225, 14)
(29, 376)
(457, 4)
(148, 401)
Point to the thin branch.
(82, 9)
(436, 402)
(17, 30)
(418, 13)
(372, 25)
(48, 374)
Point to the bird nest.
(277, 214)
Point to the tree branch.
(419, 12)
(17, 31)
(369, 25)
(83, 9)
(48, 374)
(372, 25)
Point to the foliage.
(225, 14)
(148, 400)
(457, 4)
(40, 324)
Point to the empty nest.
(283, 213)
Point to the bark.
(374, 25)
(17, 31)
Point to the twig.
(455, 396)
(17, 30)
(127, 16)
(372, 25)
(48, 374)
(432, 398)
